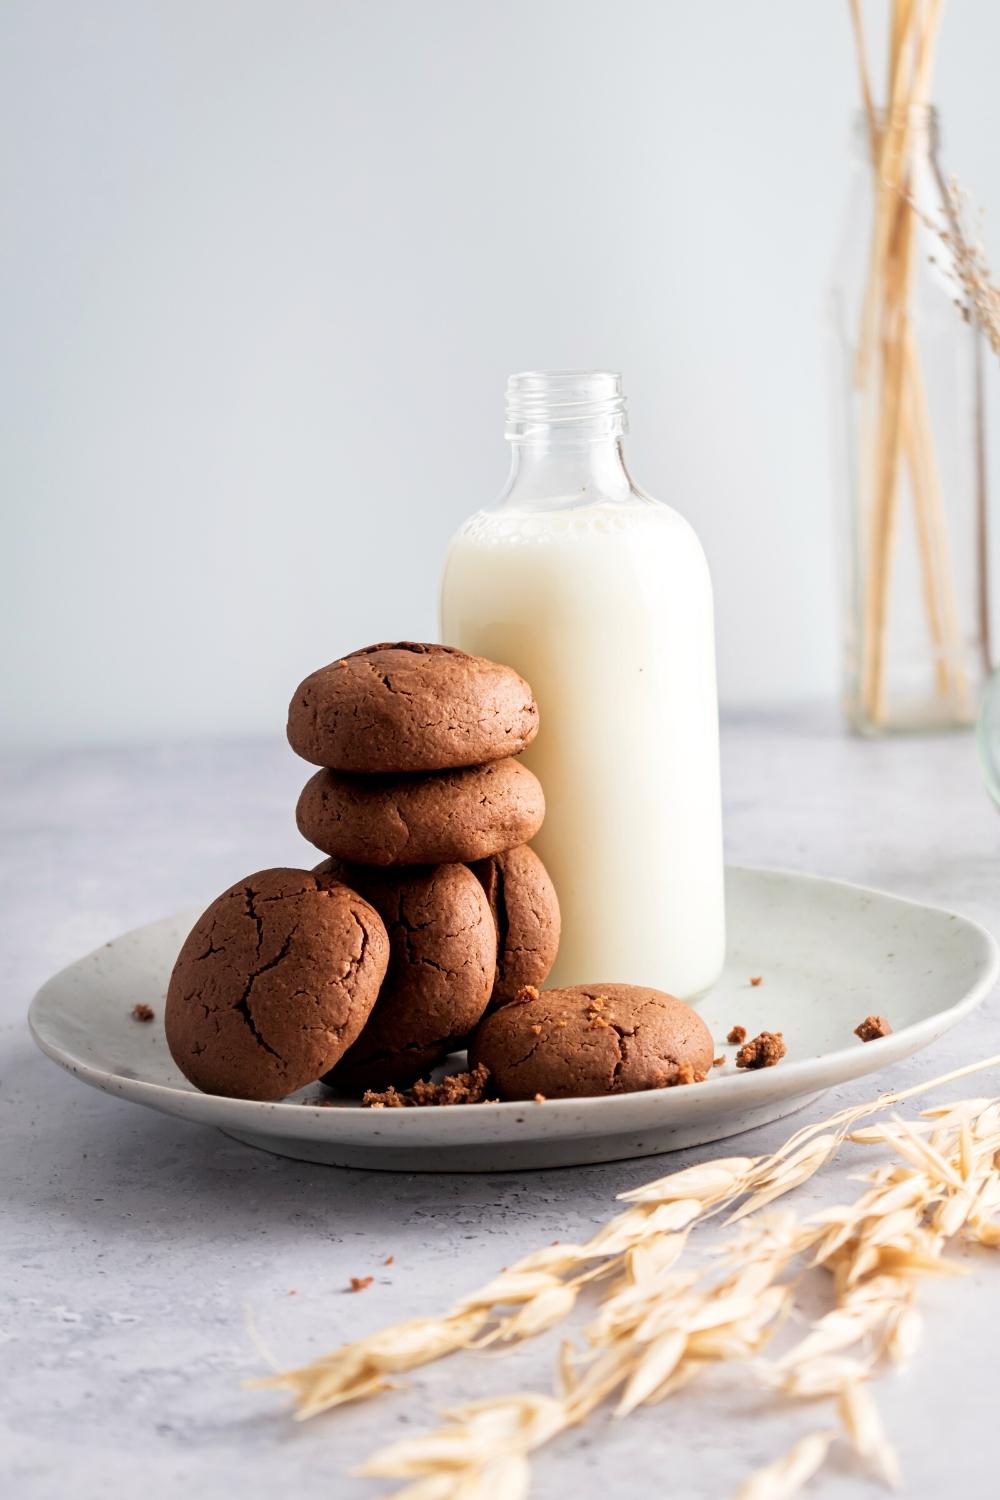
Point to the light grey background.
(267, 265)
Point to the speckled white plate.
(829, 954)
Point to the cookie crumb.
(717, 1062)
(526, 993)
(764, 1051)
(685, 1073)
(389, 1098)
(456, 1088)
(872, 1027)
(142, 1012)
(360, 1283)
(737, 1035)
(388, 1260)
(756, 979)
(293, 1292)
(539, 1098)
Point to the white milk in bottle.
(600, 597)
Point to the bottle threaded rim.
(573, 404)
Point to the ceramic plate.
(829, 954)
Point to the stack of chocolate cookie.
(430, 923)
(425, 812)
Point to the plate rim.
(726, 1093)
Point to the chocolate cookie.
(442, 961)
(273, 984)
(410, 707)
(526, 912)
(591, 1039)
(441, 818)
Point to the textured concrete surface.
(138, 1251)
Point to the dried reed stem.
(938, 555)
(902, 431)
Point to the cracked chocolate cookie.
(526, 912)
(591, 1039)
(410, 707)
(273, 984)
(442, 962)
(443, 817)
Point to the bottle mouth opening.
(568, 404)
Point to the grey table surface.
(136, 1247)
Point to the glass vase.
(909, 446)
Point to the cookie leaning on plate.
(273, 984)
(410, 706)
(441, 817)
(591, 1039)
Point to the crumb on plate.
(872, 1027)
(764, 1051)
(455, 1088)
(685, 1073)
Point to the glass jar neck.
(565, 429)
(917, 128)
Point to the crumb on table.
(142, 1012)
(763, 1051)
(872, 1027)
(360, 1283)
(718, 1062)
(737, 1035)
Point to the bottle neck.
(565, 429)
(557, 474)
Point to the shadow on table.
(95, 1160)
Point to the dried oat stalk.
(965, 263)
(657, 1325)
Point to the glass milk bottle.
(600, 597)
